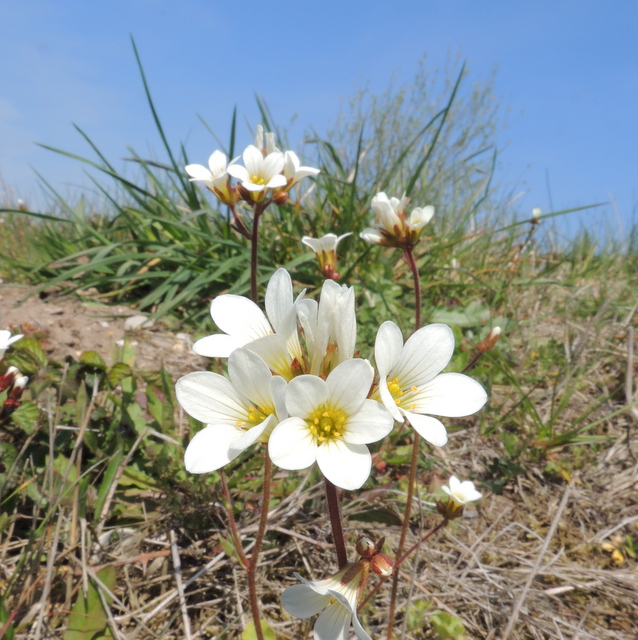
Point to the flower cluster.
(266, 171)
(295, 382)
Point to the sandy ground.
(69, 326)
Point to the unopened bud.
(366, 547)
(382, 565)
(8, 377)
(537, 212)
(280, 197)
(491, 340)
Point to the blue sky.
(567, 77)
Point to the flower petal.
(349, 384)
(278, 300)
(371, 423)
(333, 623)
(428, 428)
(387, 347)
(304, 394)
(372, 235)
(302, 602)
(425, 354)
(251, 376)
(209, 449)
(240, 317)
(291, 445)
(345, 465)
(450, 394)
(219, 345)
(210, 398)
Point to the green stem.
(334, 512)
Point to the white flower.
(411, 383)
(6, 340)
(215, 177)
(325, 249)
(242, 321)
(293, 171)
(270, 140)
(461, 492)
(237, 412)
(332, 421)
(260, 173)
(338, 595)
(393, 227)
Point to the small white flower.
(215, 177)
(461, 492)
(270, 140)
(237, 412)
(6, 340)
(242, 321)
(332, 421)
(259, 173)
(337, 597)
(293, 171)
(411, 383)
(325, 249)
(393, 227)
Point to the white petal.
(278, 394)
(251, 376)
(219, 345)
(239, 316)
(273, 350)
(273, 165)
(254, 161)
(333, 623)
(387, 347)
(278, 300)
(217, 163)
(425, 354)
(372, 235)
(358, 629)
(302, 602)
(420, 217)
(276, 182)
(345, 324)
(239, 172)
(428, 428)
(209, 448)
(291, 445)
(450, 394)
(248, 437)
(345, 465)
(198, 172)
(210, 398)
(349, 384)
(304, 394)
(371, 423)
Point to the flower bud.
(382, 565)
(490, 341)
(365, 547)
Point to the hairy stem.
(404, 532)
(409, 258)
(334, 512)
(231, 521)
(254, 561)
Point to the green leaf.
(377, 515)
(447, 626)
(26, 417)
(475, 314)
(118, 372)
(250, 633)
(4, 617)
(93, 359)
(88, 619)
(107, 481)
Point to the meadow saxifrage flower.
(237, 412)
(325, 249)
(460, 494)
(412, 386)
(242, 321)
(331, 422)
(394, 228)
(259, 173)
(336, 597)
(294, 172)
(215, 177)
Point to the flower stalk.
(334, 513)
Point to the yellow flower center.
(398, 392)
(327, 424)
(258, 180)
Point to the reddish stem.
(334, 512)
